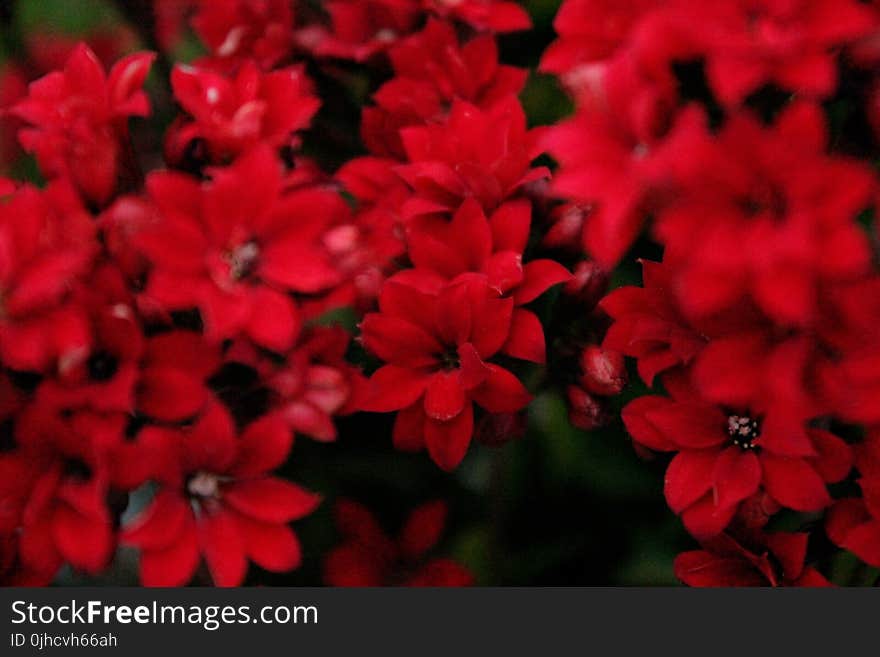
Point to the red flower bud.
(603, 371)
(589, 284)
(585, 411)
(568, 225)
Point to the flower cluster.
(161, 331)
(451, 149)
(710, 124)
(343, 207)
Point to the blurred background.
(558, 506)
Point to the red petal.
(352, 565)
(169, 394)
(791, 551)
(539, 276)
(793, 483)
(409, 429)
(297, 265)
(264, 445)
(85, 543)
(843, 517)
(223, 547)
(270, 499)
(398, 341)
(501, 392)
(423, 529)
(211, 444)
(160, 525)
(526, 339)
(864, 542)
(126, 79)
(176, 564)
(491, 326)
(689, 478)
(737, 475)
(635, 416)
(448, 442)
(471, 229)
(406, 302)
(510, 225)
(504, 271)
(273, 547)
(392, 388)
(275, 320)
(444, 397)
(704, 519)
(689, 425)
(835, 458)
(704, 569)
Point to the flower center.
(743, 431)
(243, 260)
(204, 485)
(102, 366)
(450, 360)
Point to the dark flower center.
(102, 365)
(243, 260)
(743, 431)
(449, 359)
(766, 199)
(77, 469)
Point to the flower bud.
(589, 284)
(568, 225)
(585, 411)
(603, 371)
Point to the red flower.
(58, 476)
(234, 30)
(724, 456)
(484, 154)
(648, 325)
(431, 70)
(775, 559)
(369, 557)
(79, 119)
(219, 502)
(48, 243)
(614, 156)
(603, 371)
(312, 385)
(233, 114)
(791, 44)
(436, 343)
(788, 208)
(494, 247)
(236, 246)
